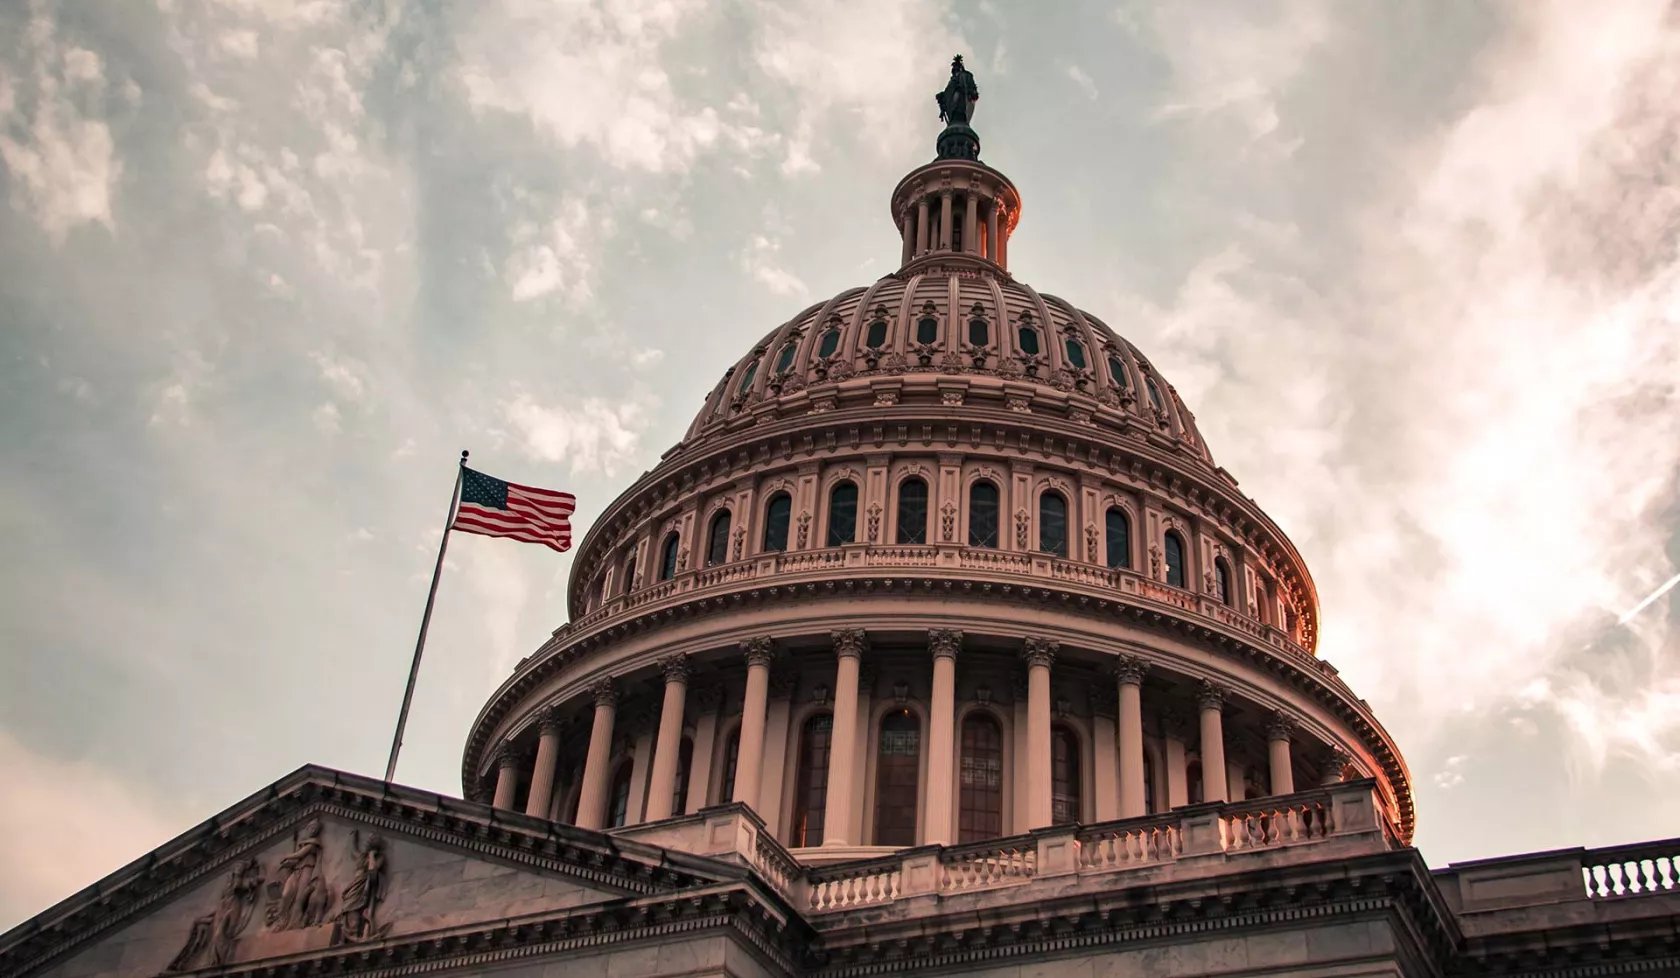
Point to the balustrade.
(855, 886)
(996, 864)
(1127, 845)
(1275, 822)
(1632, 870)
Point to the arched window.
(828, 343)
(842, 513)
(618, 806)
(1027, 339)
(784, 359)
(927, 330)
(731, 756)
(979, 332)
(685, 765)
(912, 511)
(1052, 523)
(877, 335)
(1221, 580)
(983, 514)
(980, 780)
(1075, 353)
(810, 796)
(1154, 394)
(1117, 373)
(1064, 776)
(897, 794)
(668, 557)
(776, 518)
(1119, 537)
(629, 575)
(717, 539)
(1175, 559)
(747, 376)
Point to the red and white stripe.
(533, 515)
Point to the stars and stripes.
(495, 508)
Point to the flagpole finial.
(463, 456)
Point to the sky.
(269, 265)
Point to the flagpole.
(425, 621)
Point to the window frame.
(900, 515)
(723, 519)
(1124, 551)
(1171, 541)
(767, 545)
(669, 554)
(1044, 521)
(829, 536)
(997, 510)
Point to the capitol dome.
(941, 559)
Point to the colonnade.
(938, 817)
(925, 229)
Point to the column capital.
(1040, 651)
(1280, 726)
(1129, 669)
(1335, 765)
(508, 756)
(550, 720)
(758, 651)
(944, 643)
(849, 642)
(1210, 695)
(605, 693)
(675, 668)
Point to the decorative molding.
(759, 651)
(1280, 726)
(1130, 669)
(944, 643)
(604, 692)
(1040, 651)
(675, 668)
(1211, 695)
(849, 642)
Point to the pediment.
(318, 866)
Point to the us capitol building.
(939, 645)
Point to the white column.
(842, 748)
(592, 799)
(1175, 727)
(751, 750)
(1335, 766)
(1211, 699)
(707, 700)
(866, 695)
(992, 231)
(945, 220)
(1105, 758)
(548, 754)
(1040, 654)
(942, 749)
(922, 226)
(971, 224)
(641, 765)
(667, 750)
(1129, 672)
(507, 777)
(908, 232)
(1278, 732)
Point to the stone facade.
(940, 645)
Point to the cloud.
(759, 260)
(592, 435)
(57, 830)
(1473, 430)
(58, 151)
(1452, 775)
(556, 258)
(1082, 80)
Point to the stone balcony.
(1200, 842)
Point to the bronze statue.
(219, 931)
(361, 898)
(956, 102)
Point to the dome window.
(927, 330)
(897, 775)
(784, 360)
(1154, 395)
(877, 336)
(629, 575)
(980, 806)
(829, 342)
(1052, 524)
(717, 540)
(1119, 537)
(1175, 559)
(1221, 581)
(1117, 372)
(747, 376)
(983, 515)
(668, 557)
(912, 511)
(810, 795)
(979, 332)
(777, 515)
(842, 514)
(1027, 339)
(1066, 799)
(1075, 353)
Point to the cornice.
(1308, 676)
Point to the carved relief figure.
(1023, 523)
(220, 930)
(301, 898)
(361, 898)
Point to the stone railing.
(1134, 842)
(979, 866)
(778, 568)
(1268, 822)
(854, 884)
(1639, 870)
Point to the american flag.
(495, 508)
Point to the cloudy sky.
(268, 265)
